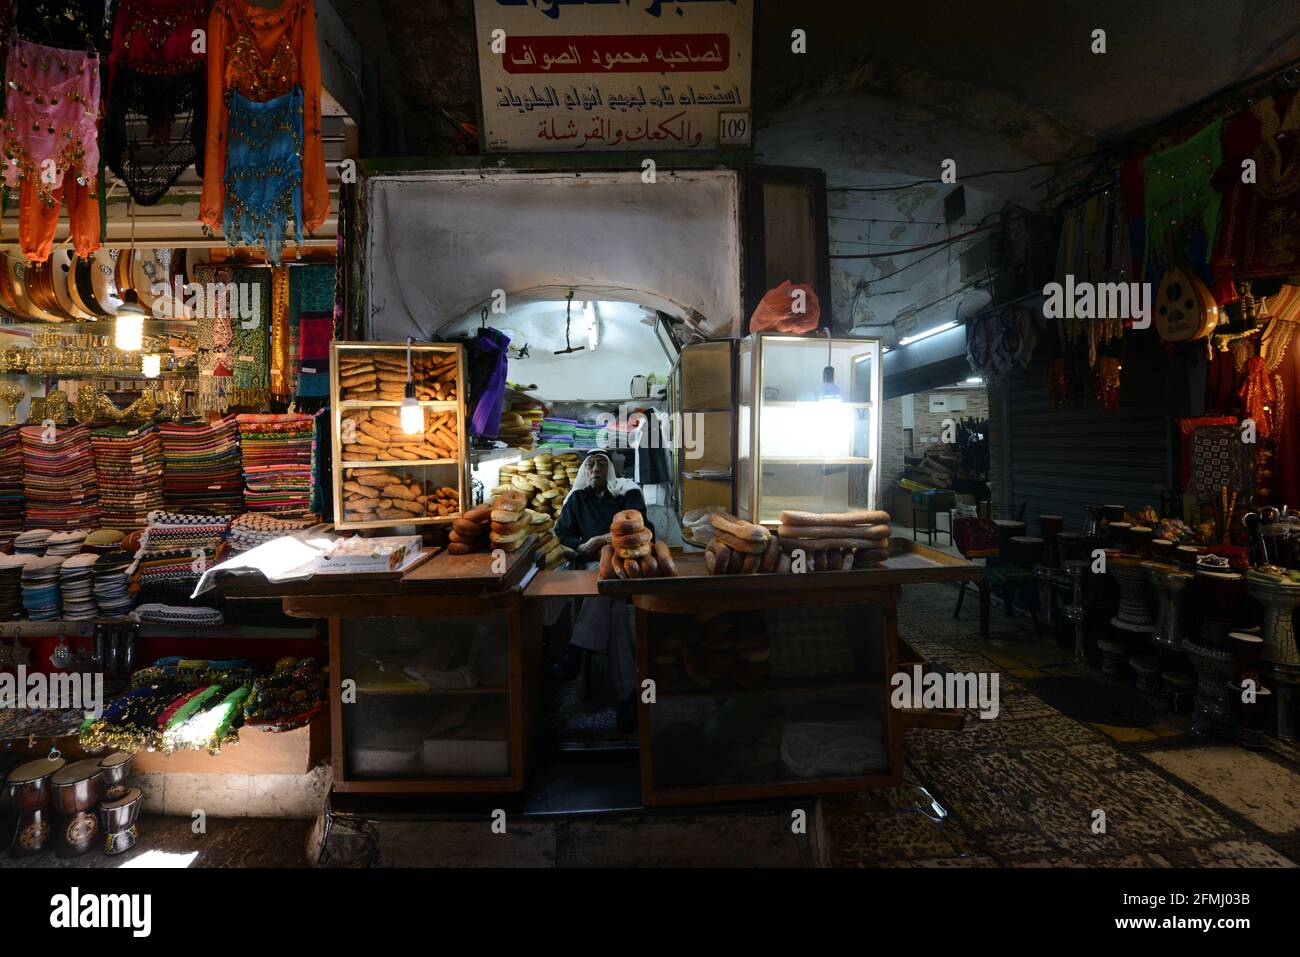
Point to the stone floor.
(1033, 787)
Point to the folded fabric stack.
(558, 433)
(11, 576)
(59, 477)
(77, 588)
(201, 467)
(40, 585)
(32, 541)
(129, 468)
(278, 455)
(65, 544)
(112, 572)
(176, 549)
(250, 530)
(196, 617)
(12, 502)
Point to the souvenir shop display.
(264, 168)
(253, 528)
(12, 501)
(29, 791)
(175, 550)
(399, 433)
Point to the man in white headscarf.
(603, 625)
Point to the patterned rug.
(1024, 789)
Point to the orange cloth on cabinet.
(262, 54)
(37, 222)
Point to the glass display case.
(703, 396)
(808, 425)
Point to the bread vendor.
(603, 624)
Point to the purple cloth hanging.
(486, 420)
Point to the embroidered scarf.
(264, 172)
(50, 114)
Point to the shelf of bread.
(384, 475)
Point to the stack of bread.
(738, 547)
(519, 423)
(375, 435)
(381, 375)
(544, 479)
(378, 494)
(510, 521)
(470, 532)
(553, 553)
(837, 541)
(633, 552)
(718, 647)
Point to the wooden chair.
(976, 538)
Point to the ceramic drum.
(118, 817)
(116, 767)
(29, 789)
(1134, 597)
(74, 792)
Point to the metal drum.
(29, 790)
(1023, 550)
(116, 767)
(74, 792)
(1007, 530)
(118, 817)
(1139, 539)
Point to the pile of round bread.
(469, 533)
(516, 425)
(633, 552)
(836, 541)
(740, 548)
(544, 479)
(510, 521)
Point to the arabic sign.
(614, 74)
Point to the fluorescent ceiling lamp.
(907, 340)
(593, 325)
(974, 380)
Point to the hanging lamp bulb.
(128, 325)
(412, 415)
(151, 365)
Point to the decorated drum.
(119, 819)
(74, 792)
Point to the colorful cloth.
(278, 460)
(1182, 205)
(252, 374)
(59, 478)
(129, 471)
(201, 467)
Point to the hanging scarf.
(156, 119)
(281, 374)
(50, 114)
(252, 378)
(214, 345)
(1179, 196)
(264, 172)
(1258, 396)
(312, 306)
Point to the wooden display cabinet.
(444, 472)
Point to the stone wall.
(927, 427)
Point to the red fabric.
(975, 536)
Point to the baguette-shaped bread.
(834, 531)
(667, 567)
(771, 556)
(745, 531)
(749, 546)
(789, 543)
(857, 517)
(607, 562)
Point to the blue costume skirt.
(264, 172)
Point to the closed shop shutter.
(1062, 459)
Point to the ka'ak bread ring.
(757, 547)
(641, 551)
(744, 531)
(634, 540)
(606, 562)
(459, 548)
(835, 531)
(468, 528)
(717, 558)
(499, 538)
(667, 567)
(631, 515)
(505, 516)
(859, 517)
(772, 556)
(509, 528)
(625, 528)
(464, 539)
(480, 513)
(510, 501)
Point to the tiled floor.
(1037, 788)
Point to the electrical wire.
(934, 182)
(939, 242)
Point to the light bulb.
(151, 365)
(128, 329)
(412, 416)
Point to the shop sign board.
(596, 75)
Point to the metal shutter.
(1062, 459)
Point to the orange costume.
(261, 55)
